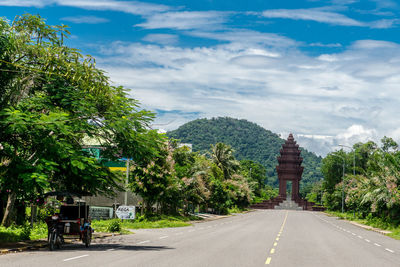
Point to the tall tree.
(51, 99)
(223, 156)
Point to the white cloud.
(374, 45)
(132, 7)
(85, 19)
(349, 96)
(384, 23)
(185, 20)
(164, 39)
(325, 15)
(314, 15)
(34, 3)
(323, 144)
(247, 38)
(357, 133)
(326, 45)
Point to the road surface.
(259, 238)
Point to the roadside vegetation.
(370, 186)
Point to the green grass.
(39, 231)
(370, 221)
(141, 222)
(20, 233)
(237, 210)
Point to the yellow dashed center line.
(272, 251)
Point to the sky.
(327, 71)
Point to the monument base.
(275, 203)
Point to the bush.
(25, 232)
(114, 226)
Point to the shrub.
(25, 232)
(114, 226)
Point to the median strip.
(272, 251)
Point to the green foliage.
(154, 179)
(316, 193)
(223, 157)
(22, 233)
(114, 226)
(250, 142)
(373, 192)
(52, 98)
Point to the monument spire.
(289, 167)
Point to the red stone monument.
(289, 168)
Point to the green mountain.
(250, 141)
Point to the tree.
(153, 179)
(255, 174)
(51, 99)
(222, 155)
(332, 169)
(388, 144)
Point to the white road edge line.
(77, 257)
(389, 250)
(111, 249)
(143, 242)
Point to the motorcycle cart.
(72, 220)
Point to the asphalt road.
(260, 238)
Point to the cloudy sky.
(326, 70)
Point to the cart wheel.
(59, 241)
(52, 240)
(88, 237)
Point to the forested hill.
(249, 140)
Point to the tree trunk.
(7, 218)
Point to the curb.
(44, 244)
(367, 227)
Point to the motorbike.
(72, 220)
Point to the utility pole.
(344, 166)
(354, 158)
(126, 183)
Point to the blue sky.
(328, 71)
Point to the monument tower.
(289, 168)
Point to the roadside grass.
(235, 209)
(144, 222)
(39, 230)
(22, 233)
(370, 221)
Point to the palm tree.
(222, 156)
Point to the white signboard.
(126, 212)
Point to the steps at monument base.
(288, 204)
(268, 204)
